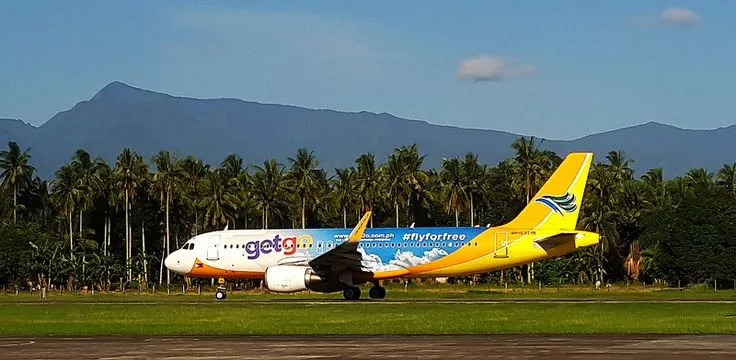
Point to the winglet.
(357, 232)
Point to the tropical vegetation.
(104, 226)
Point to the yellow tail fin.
(558, 202)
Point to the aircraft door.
(213, 251)
(501, 242)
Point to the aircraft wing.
(344, 256)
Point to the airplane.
(332, 260)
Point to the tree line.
(99, 224)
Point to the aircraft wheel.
(377, 292)
(351, 293)
(220, 295)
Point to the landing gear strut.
(351, 293)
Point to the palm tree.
(87, 175)
(345, 187)
(66, 193)
(166, 179)
(620, 166)
(130, 170)
(215, 200)
(394, 175)
(657, 195)
(304, 174)
(40, 192)
(110, 196)
(368, 178)
(412, 162)
(599, 213)
(452, 186)
(268, 188)
(700, 179)
(726, 177)
(241, 195)
(16, 171)
(473, 174)
(531, 164)
(232, 166)
(193, 171)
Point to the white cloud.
(676, 16)
(401, 260)
(492, 68)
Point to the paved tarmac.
(598, 347)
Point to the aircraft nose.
(175, 263)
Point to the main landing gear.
(375, 292)
(351, 293)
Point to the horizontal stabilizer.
(555, 240)
(578, 239)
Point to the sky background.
(558, 70)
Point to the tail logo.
(559, 203)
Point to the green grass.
(641, 311)
(395, 291)
(242, 318)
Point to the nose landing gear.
(221, 293)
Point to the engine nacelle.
(285, 278)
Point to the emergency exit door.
(213, 248)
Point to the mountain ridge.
(120, 115)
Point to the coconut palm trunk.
(143, 245)
(71, 235)
(127, 237)
(15, 203)
(396, 206)
(472, 211)
(168, 239)
(104, 237)
(304, 206)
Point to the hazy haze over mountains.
(122, 116)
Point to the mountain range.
(120, 116)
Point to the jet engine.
(285, 278)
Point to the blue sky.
(558, 70)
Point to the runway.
(379, 347)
